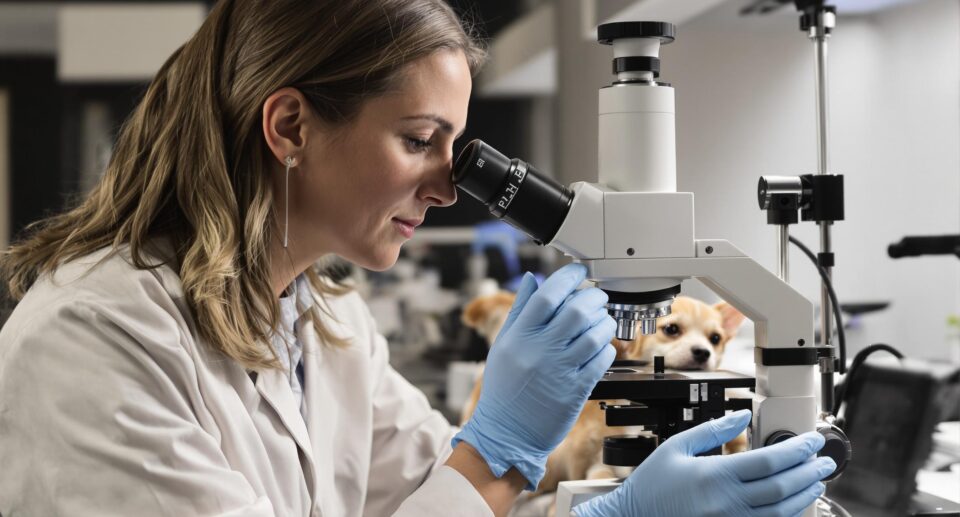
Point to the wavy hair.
(191, 165)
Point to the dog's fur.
(693, 337)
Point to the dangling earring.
(286, 200)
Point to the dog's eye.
(671, 329)
(715, 339)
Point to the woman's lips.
(404, 227)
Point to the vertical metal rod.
(820, 42)
(783, 252)
(826, 313)
(819, 36)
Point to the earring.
(286, 201)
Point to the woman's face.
(361, 188)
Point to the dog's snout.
(701, 354)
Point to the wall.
(583, 66)
(117, 42)
(745, 108)
(28, 28)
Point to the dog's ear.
(475, 311)
(732, 318)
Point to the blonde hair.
(191, 165)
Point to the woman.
(177, 350)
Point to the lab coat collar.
(308, 298)
(304, 292)
(318, 394)
(318, 428)
(273, 386)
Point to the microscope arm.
(601, 229)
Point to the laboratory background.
(748, 106)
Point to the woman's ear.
(286, 123)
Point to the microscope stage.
(640, 382)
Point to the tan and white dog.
(693, 337)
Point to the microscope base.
(572, 493)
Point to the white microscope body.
(635, 233)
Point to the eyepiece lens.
(513, 190)
(480, 170)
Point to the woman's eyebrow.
(444, 124)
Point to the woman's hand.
(550, 353)
(776, 481)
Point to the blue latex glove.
(779, 480)
(552, 350)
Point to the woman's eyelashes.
(417, 144)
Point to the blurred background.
(71, 71)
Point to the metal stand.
(819, 21)
(819, 197)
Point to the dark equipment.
(891, 412)
(927, 245)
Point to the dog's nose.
(701, 355)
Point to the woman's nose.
(439, 190)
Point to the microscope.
(635, 234)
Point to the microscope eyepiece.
(513, 190)
(607, 33)
(480, 170)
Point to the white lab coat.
(110, 404)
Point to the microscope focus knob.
(778, 436)
(627, 450)
(837, 447)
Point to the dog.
(693, 337)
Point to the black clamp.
(818, 197)
(784, 209)
(825, 202)
(826, 259)
(810, 10)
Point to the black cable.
(841, 335)
(855, 365)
